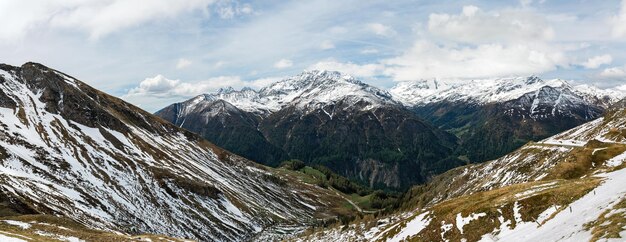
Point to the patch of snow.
(5, 238)
(70, 239)
(412, 227)
(20, 224)
(598, 149)
(617, 160)
(462, 221)
(566, 225)
(534, 190)
(444, 229)
(575, 143)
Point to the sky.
(154, 53)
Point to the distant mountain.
(362, 132)
(568, 187)
(228, 126)
(494, 117)
(69, 150)
(485, 91)
(325, 118)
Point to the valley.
(75, 157)
(312, 121)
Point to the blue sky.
(153, 53)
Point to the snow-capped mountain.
(69, 150)
(322, 117)
(291, 118)
(568, 187)
(487, 91)
(494, 117)
(306, 90)
(317, 88)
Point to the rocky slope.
(326, 118)
(494, 117)
(69, 150)
(564, 188)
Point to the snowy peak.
(533, 79)
(312, 88)
(491, 90)
(306, 90)
(225, 90)
(555, 101)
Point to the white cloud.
(475, 26)
(478, 44)
(597, 61)
(619, 22)
(367, 70)
(161, 86)
(183, 63)
(381, 29)
(327, 45)
(614, 72)
(246, 9)
(101, 18)
(157, 92)
(96, 17)
(283, 63)
(429, 60)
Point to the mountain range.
(322, 118)
(78, 164)
(494, 117)
(388, 139)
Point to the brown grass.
(497, 204)
(59, 226)
(609, 226)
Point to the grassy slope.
(51, 228)
(567, 181)
(313, 176)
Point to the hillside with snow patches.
(569, 187)
(71, 151)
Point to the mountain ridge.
(69, 150)
(496, 119)
(485, 91)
